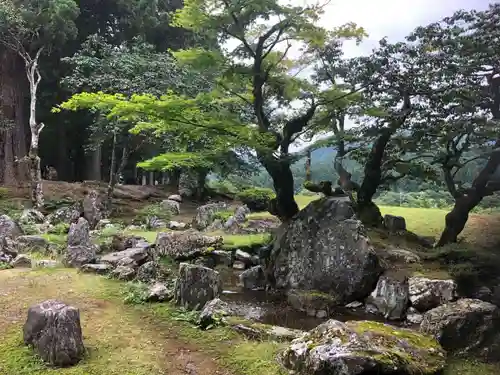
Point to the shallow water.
(272, 308)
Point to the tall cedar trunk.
(34, 79)
(281, 173)
(112, 171)
(201, 177)
(12, 127)
(367, 209)
(308, 166)
(173, 179)
(464, 203)
(94, 163)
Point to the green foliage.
(135, 293)
(149, 214)
(60, 228)
(3, 192)
(184, 315)
(5, 266)
(223, 215)
(257, 199)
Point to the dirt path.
(121, 339)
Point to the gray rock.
(9, 246)
(78, 255)
(354, 305)
(223, 257)
(158, 292)
(253, 278)
(99, 269)
(173, 207)
(264, 332)
(401, 255)
(325, 249)
(390, 298)
(53, 329)
(32, 243)
(425, 294)
(121, 242)
(395, 223)
(93, 209)
(240, 214)
(65, 214)
(313, 303)
(214, 312)
(175, 198)
(138, 255)
(215, 226)
(147, 272)
(466, 327)
(179, 245)
(21, 261)
(196, 285)
(31, 216)
(46, 263)
(239, 265)
(79, 233)
(124, 273)
(244, 257)
(413, 316)
(361, 347)
(205, 214)
(9, 228)
(176, 225)
(484, 294)
(188, 182)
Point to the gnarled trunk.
(308, 166)
(284, 206)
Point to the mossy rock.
(364, 347)
(262, 332)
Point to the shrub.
(223, 215)
(136, 293)
(4, 266)
(150, 214)
(61, 228)
(257, 199)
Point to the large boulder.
(9, 228)
(53, 329)
(93, 209)
(171, 206)
(65, 214)
(390, 298)
(394, 224)
(79, 255)
(21, 261)
(196, 285)
(33, 243)
(466, 327)
(363, 347)
(325, 249)
(182, 245)
(425, 294)
(79, 233)
(205, 214)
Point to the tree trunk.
(12, 124)
(112, 172)
(173, 179)
(34, 79)
(152, 178)
(284, 206)
(94, 163)
(144, 178)
(200, 185)
(308, 166)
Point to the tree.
(462, 121)
(30, 29)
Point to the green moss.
(223, 215)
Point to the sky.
(393, 19)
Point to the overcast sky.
(388, 18)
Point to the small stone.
(395, 223)
(321, 314)
(22, 261)
(175, 198)
(159, 292)
(238, 265)
(173, 207)
(99, 269)
(124, 273)
(413, 316)
(354, 305)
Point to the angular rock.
(244, 257)
(196, 285)
(46, 263)
(99, 269)
(31, 216)
(9, 228)
(214, 312)
(158, 292)
(362, 347)
(173, 207)
(120, 242)
(21, 261)
(65, 214)
(175, 198)
(124, 273)
(253, 278)
(77, 256)
(325, 249)
(263, 332)
(93, 209)
(53, 329)
(240, 214)
(466, 327)
(79, 233)
(239, 265)
(138, 254)
(223, 257)
(413, 316)
(33, 243)
(205, 214)
(181, 245)
(9, 246)
(390, 298)
(425, 294)
(394, 224)
(147, 272)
